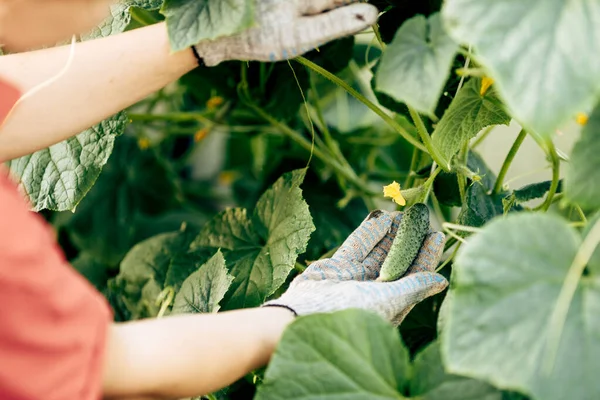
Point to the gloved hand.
(346, 280)
(288, 28)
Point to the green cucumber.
(407, 243)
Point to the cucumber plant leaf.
(429, 381)
(467, 115)
(57, 178)
(120, 17)
(191, 21)
(144, 269)
(396, 12)
(527, 193)
(505, 288)
(143, 272)
(511, 37)
(583, 171)
(202, 291)
(354, 354)
(260, 249)
(416, 64)
(351, 354)
(480, 207)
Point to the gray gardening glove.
(346, 280)
(288, 28)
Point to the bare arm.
(189, 355)
(106, 76)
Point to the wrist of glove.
(288, 28)
(347, 279)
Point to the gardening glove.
(346, 280)
(287, 28)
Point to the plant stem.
(581, 214)
(326, 159)
(431, 149)
(429, 183)
(377, 33)
(198, 117)
(461, 228)
(176, 117)
(463, 156)
(414, 161)
(142, 17)
(483, 136)
(462, 188)
(450, 258)
(437, 208)
(508, 160)
(464, 153)
(565, 297)
(372, 106)
(462, 77)
(555, 160)
(449, 243)
(299, 267)
(329, 141)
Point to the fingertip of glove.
(430, 280)
(375, 214)
(435, 239)
(364, 13)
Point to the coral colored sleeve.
(53, 323)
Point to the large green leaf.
(354, 354)
(429, 381)
(261, 249)
(57, 178)
(202, 291)
(542, 53)
(190, 21)
(347, 355)
(583, 174)
(398, 11)
(467, 115)
(144, 270)
(480, 207)
(415, 65)
(505, 288)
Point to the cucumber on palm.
(407, 243)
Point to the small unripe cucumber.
(405, 247)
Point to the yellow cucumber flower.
(214, 102)
(393, 190)
(581, 118)
(486, 82)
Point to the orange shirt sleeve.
(53, 323)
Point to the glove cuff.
(210, 53)
(282, 306)
(199, 59)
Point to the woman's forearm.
(190, 355)
(106, 76)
